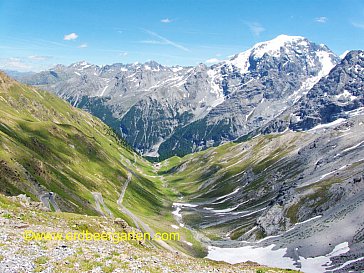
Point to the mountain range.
(164, 111)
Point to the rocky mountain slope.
(258, 85)
(334, 98)
(287, 193)
(177, 110)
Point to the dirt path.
(123, 189)
(99, 201)
(48, 200)
(140, 224)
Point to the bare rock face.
(273, 222)
(177, 110)
(258, 85)
(335, 97)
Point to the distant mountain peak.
(152, 65)
(274, 46)
(291, 47)
(81, 65)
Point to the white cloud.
(14, 64)
(153, 42)
(83, 46)
(166, 41)
(123, 53)
(321, 19)
(71, 36)
(166, 20)
(212, 61)
(39, 58)
(256, 28)
(358, 25)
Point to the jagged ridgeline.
(165, 111)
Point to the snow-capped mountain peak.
(292, 48)
(81, 65)
(227, 99)
(274, 46)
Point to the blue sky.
(38, 34)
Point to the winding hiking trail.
(99, 201)
(123, 189)
(140, 224)
(48, 200)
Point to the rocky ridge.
(177, 110)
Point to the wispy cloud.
(255, 28)
(123, 54)
(71, 36)
(164, 40)
(82, 46)
(358, 25)
(153, 42)
(212, 61)
(14, 64)
(39, 58)
(321, 19)
(119, 30)
(166, 20)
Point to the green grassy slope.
(46, 145)
(259, 167)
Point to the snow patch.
(308, 220)
(326, 62)
(275, 258)
(103, 90)
(241, 61)
(178, 207)
(346, 94)
(327, 125)
(176, 69)
(352, 147)
(274, 46)
(229, 194)
(342, 56)
(262, 255)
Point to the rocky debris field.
(18, 214)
